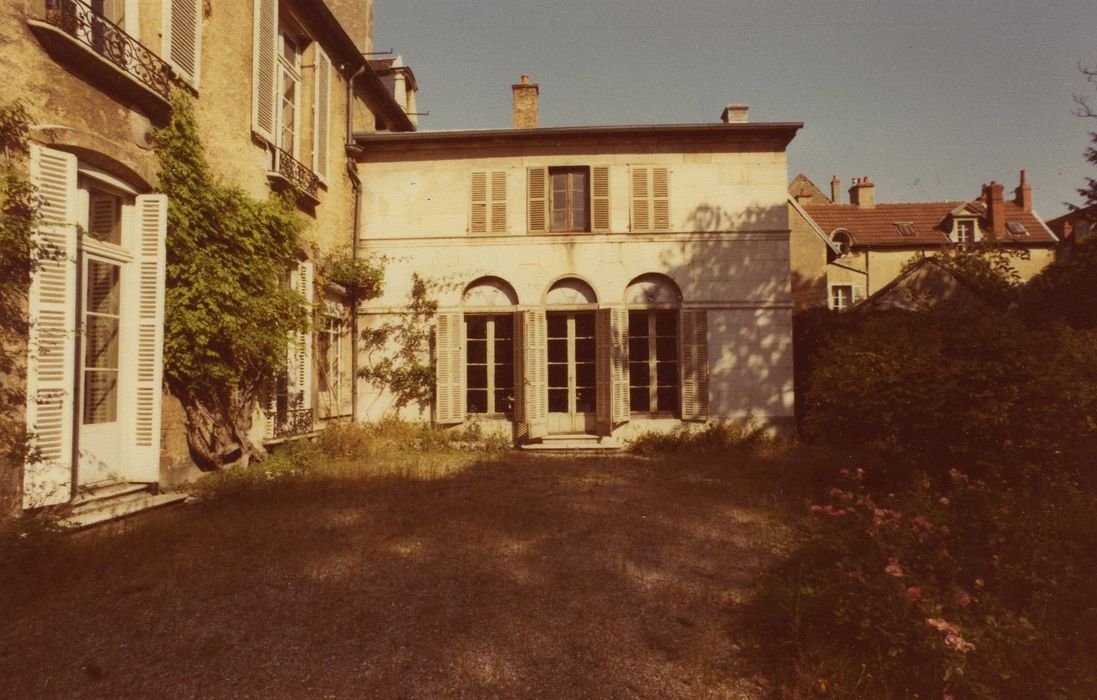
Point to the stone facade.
(708, 245)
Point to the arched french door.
(571, 357)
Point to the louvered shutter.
(641, 201)
(152, 228)
(694, 330)
(660, 199)
(303, 362)
(521, 423)
(619, 361)
(478, 212)
(499, 201)
(599, 197)
(535, 368)
(183, 38)
(450, 368)
(537, 179)
(321, 122)
(603, 370)
(52, 340)
(264, 98)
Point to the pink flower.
(860, 474)
(921, 522)
(943, 500)
(948, 696)
(854, 574)
(914, 592)
(958, 643)
(817, 509)
(963, 599)
(843, 472)
(894, 568)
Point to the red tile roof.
(876, 226)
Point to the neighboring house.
(592, 281)
(275, 112)
(927, 284)
(1073, 228)
(842, 253)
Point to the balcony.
(287, 172)
(288, 419)
(100, 50)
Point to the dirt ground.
(507, 577)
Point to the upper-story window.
(965, 231)
(289, 91)
(570, 192)
(568, 199)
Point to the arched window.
(843, 239)
(570, 291)
(653, 289)
(489, 346)
(489, 292)
(654, 384)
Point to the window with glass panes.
(289, 83)
(100, 362)
(653, 361)
(570, 199)
(330, 351)
(489, 363)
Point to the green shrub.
(954, 587)
(742, 435)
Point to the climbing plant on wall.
(228, 309)
(398, 355)
(18, 255)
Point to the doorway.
(100, 433)
(572, 375)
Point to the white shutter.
(183, 38)
(152, 227)
(641, 200)
(322, 115)
(264, 97)
(603, 370)
(535, 371)
(52, 339)
(619, 361)
(450, 368)
(499, 201)
(694, 330)
(599, 196)
(660, 199)
(537, 180)
(521, 423)
(478, 198)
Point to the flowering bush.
(953, 587)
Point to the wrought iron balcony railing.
(106, 39)
(295, 173)
(288, 418)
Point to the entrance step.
(574, 443)
(105, 502)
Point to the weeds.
(740, 436)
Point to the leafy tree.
(19, 213)
(229, 312)
(1089, 192)
(408, 372)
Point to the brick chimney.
(1023, 194)
(835, 190)
(863, 193)
(996, 214)
(734, 114)
(525, 103)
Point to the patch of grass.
(741, 436)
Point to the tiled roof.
(876, 226)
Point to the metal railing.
(288, 418)
(296, 173)
(77, 19)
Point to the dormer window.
(905, 228)
(843, 240)
(1016, 228)
(965, 231)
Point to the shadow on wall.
(747, 280)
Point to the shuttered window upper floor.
(570, 199)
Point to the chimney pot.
(835, 190)
(734, 114)
(1023, 194)
(863, 193)
(524, 106)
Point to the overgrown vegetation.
(19, 212)
(228, 311)
(959, 567)
(398, 353)
(718, 437)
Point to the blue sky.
(930, 98)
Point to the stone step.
(107, 510)
(574, 444)
(89, 495)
